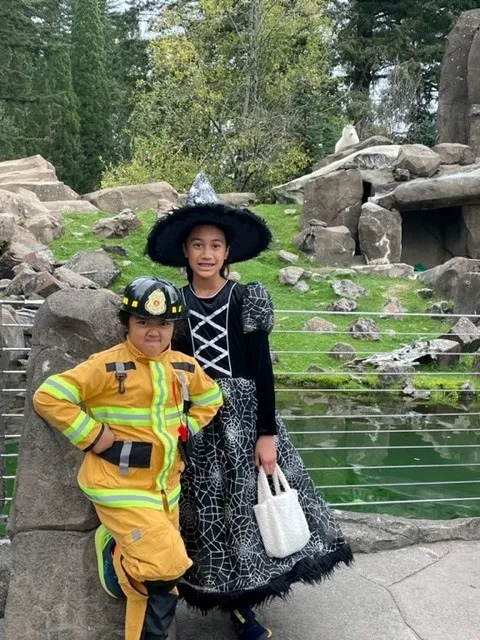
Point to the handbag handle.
(278, 478)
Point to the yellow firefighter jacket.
(144, 401)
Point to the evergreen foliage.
(92, 88)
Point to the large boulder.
(454, 153)
(45, 189)
(380, 234)
(135, 197)
(458, 114)
(95, 265)
(452, 189)
(24, 248)
(118, 226)
(381, 157)
(30, 165)
(334, 246)
(46, 227)
(467, 294)
(51, 522)
(373, 141)
(23, 205)
(418, 160)
(335, 198)
(70, 206)
(445, 278)
(7, 229)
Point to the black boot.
(160, 611)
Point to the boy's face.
(151, 336)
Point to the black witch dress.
(228, 335)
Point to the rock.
(418, 159)
(274, 357)
(454, 153)
(290, 212)
(444, 278)
(117, 227)
(115, 249)
(317, 223)
(287, 256)
(342, 351)
(373, 141)
(401, 175)
(467, 393)
(290, 275)
(69, 326)
(393, 308)
(425, 293)
(364, 329)
(30, 164)
(7, 229)
(238, 199)
(48, 565)
(466, 334)
(5, 572)
(235, 276)
(335, 198)
(471, 220)
(348, 289)
(398, 270)
(439, 308)
(12, 336)
(29, 283)
(319, 324)
(476, 364)
(135, 197)
(314, 368)
(72, 279)
(416, 394)
(70, 206)
(333, 246)
(45, 190)
(394, 372)
(301, 286)
(449, 190)
(46, 227)
(377, 157)
(343, 305)
(25, 248)
(459, 90)
(22, 205)
(467, 295)
(164, 207)
(95, 265)
(380, 234)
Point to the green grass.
(333, 373)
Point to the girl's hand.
(266, 454)
(105, 441)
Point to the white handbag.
(280, 517)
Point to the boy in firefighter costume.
(137, 399)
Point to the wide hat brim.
(247, 233)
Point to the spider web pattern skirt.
(219, 490)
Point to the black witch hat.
(247, 234)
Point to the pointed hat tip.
(201, 191)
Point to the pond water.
(423, 460)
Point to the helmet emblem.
(156, 303)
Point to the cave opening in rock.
(432, 236)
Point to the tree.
(380, 41)
(225, 90)
(91, 85)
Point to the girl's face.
(206, 250)
(151, 336)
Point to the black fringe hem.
(308, 570)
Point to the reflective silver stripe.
(121, 416)
(62, 389)
(125, 457)
(78, 431)
(185, 394)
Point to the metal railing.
(337, 441)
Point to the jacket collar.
(141, 357)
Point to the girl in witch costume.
(227, 333)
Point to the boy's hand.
(105, 441)
(266, 454)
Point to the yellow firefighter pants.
(149, 547)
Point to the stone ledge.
(370, 532)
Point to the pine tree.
(91, 85)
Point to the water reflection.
(408, 453)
